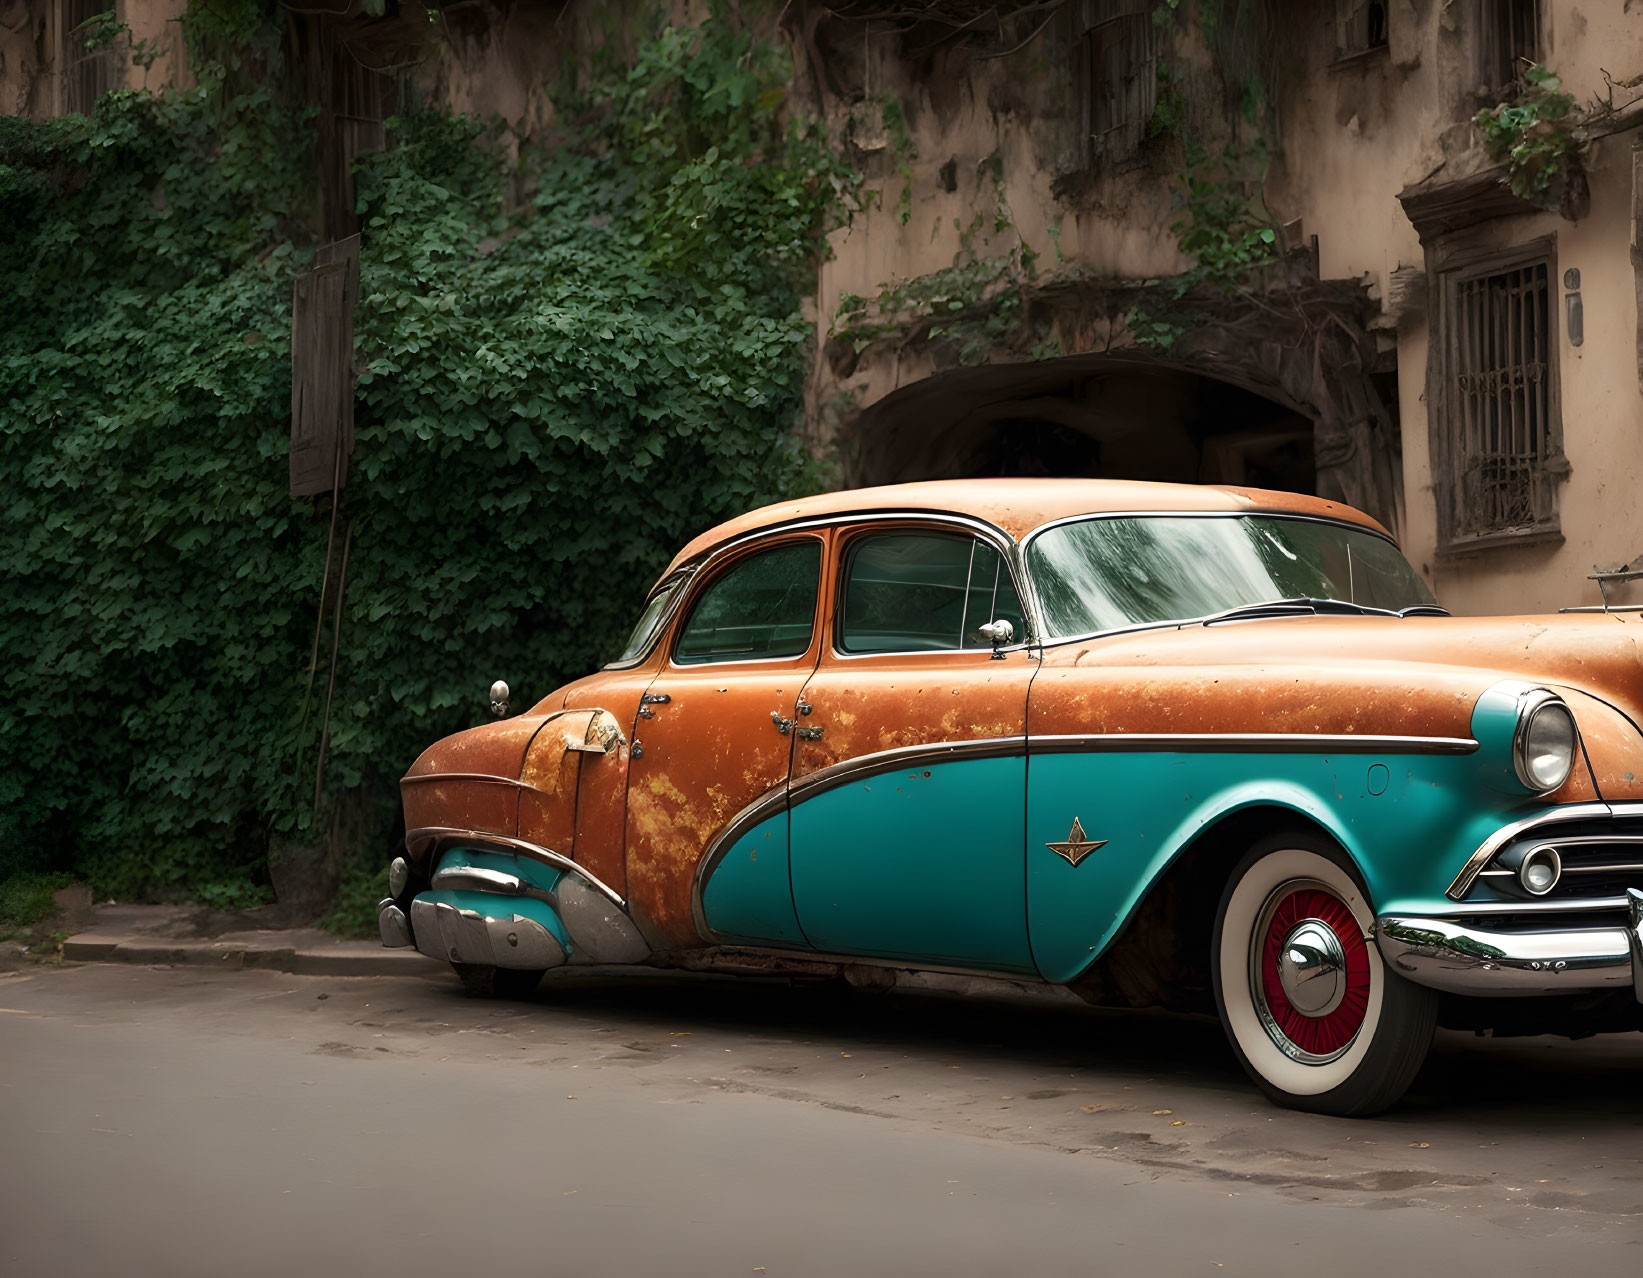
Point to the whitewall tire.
(1314, 1016)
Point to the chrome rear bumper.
(1487, 963)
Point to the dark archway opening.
(1110, 417)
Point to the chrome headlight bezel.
(1538, 708)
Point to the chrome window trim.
(1507, 833)
(1008, 555)
(1179, 622)
(705, 569)
(1006, 545)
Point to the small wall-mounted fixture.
(1574, 312)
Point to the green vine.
(1533, 133)
(903, 151)
(975, 306)
(1221, 228)
(532, 385)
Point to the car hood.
(1410, 676)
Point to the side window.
(763, 607)
(923, 592)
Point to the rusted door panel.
(602, 788)
(711, 750)
(921, 854)
(719, 737)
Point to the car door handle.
(783, 726)
(810, 734)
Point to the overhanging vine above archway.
(1282, 333)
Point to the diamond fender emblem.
(1077, 846)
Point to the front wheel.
(1315, 1017)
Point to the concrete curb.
(343, 958)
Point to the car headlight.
(1543, 748)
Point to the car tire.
(1356, 1033)
(481, 980)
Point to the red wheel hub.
(1328, 1031)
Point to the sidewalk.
(186, 934)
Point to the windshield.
(1103, 574)
(650, 622)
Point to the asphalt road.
(178, 1122)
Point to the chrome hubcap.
(1312, 968)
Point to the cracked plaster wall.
(1358, 133)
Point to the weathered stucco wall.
(976, 153)
(1355, 135)
(32, 57)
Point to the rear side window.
(763, 607)
(924, 592)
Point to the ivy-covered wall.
(553, 395)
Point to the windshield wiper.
(1299, 606)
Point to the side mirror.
(499, 699)
(999, 633)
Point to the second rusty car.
(1165, 745)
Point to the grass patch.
(25, 899)
(353, 911)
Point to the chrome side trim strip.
(481, 777)
(866, 765)
(1554, 816)
(1249, 743)
(848, 771)
(429, 840)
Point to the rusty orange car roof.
(1020, 505)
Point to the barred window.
(1508, 39)
(90, 59)
(1503, 454)
(1360, 25)
(1120, 74)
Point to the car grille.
(1601, 859)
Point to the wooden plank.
(322, 372)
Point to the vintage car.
(1165, 745)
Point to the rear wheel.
(481, 980)
(1316, 1019)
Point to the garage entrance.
(1112, 417)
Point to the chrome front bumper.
(578, 919)
(466, 936)
(1498, 964)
